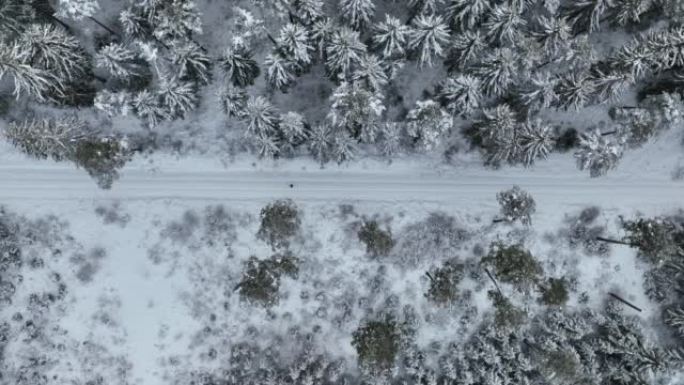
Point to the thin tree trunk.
(615, 241)
(617, 297)
(60, 22)
(493, 280)
(98, 22)
(609, 133)
(498, 220)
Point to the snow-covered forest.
(341, 192)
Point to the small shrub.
(437, 236)
(102, 158)
(516, 204)
(555, 292)
(113, 214)
(444, 283)
(279, 223)
(261, 279)
(513, 264)
(378, 242)
(377, 345)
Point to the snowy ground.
(156, 292)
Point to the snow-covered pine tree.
(357, 13)
(466, 14)
(610, 85)
(280, 71)
(177, 96)
(265, 145)
(497, 70)
(14, 16)
(461, 94)
(656, 238)
(134, 23)
(77, 9)
(424, 7)
(234, 100)
(465, 47)
(344, 51)
(308, 11)
(630, 11)
(390, 37)
(193, 63)
(148, 108)
(293, 130)
(343, 147)
(296, 43)
(390, 138)
(585, 15)
(574, 90)
(495, 133)
(102, 157)
(428, 37)
(260, 117)
(118, 60)
(553, 33)
(322, 31)
(516, 204)
(535, 140)
(427, 123)
(598, 153)
(45, 138)
(357, 110)
(540, 92)
(174, 19)
(239, 66)
(320, 142)
(371, 73)
(503, 24)
(35, 82)
(52, 49)
(113, 103)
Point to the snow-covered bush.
(260, 280)
(444, 282)
(378, 242)
(513, 264)
(516, 204)
(377, 345)
(280, 222)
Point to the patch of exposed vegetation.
(280, 222)
(378, 242)
(260, 281)
(377, 345)
(513, 264)
(554, 292)
(444, 282)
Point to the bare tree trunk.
(609, 133)
(615, 241)
(617, 297)
(98, 22)
(493, 280)
(498, 220)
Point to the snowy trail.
(60, 182)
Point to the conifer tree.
(260, 116)
(118, 60)
(344, 51)
(535, 140)
(51, 48)
(503, 24)
(428, 37)
(193, 63)
(178, 97)
(295, 41)
(427, 123)
(280, 71)
(575, 90)
(497, 71)
(14, 15)
(516, 204)
(239, 66)
(33, 81)
(357, 13)
(320, 143)
(465, 14)
(465, 47)
(357, 110)
(461, 94)
(390, 37)
(598, 153)
(371, 73)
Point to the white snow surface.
(160, 297)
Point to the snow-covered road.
(62, 182)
